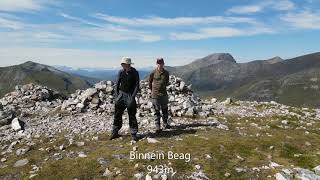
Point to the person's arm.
(137, 85)
(167, 79)
(118, 82)
(151, 80)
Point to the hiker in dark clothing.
(127, 87)
(158, 82)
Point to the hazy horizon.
(97, 34)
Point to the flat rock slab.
(21, 163)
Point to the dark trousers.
(160, 103)
(122, 102)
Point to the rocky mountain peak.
(30, 65)
(220, 57)
(211, 60)
(275, 60)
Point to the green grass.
(223, 146)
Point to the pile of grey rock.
(100, 99)
(298, 173)
(97, 99)
(182, 101)
(29, 98)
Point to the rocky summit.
(100, 100)
(45, 135)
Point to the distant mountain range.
(98, 74)
(30, 72)
(293, 81)
(62, 78)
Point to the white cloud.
(283, 5)
(279, 5)
(177, 21)
(110, 33)
(21, 32)
(10, 24)
(23, 5)
(219, 32)
(96, 58)
(303, 20)
(67, 16)
(245, 9)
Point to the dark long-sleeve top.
(128, 82)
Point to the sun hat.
(126, 60)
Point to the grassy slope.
(222, 145)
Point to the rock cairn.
(100, 99)
(29, 98)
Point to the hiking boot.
(135, 137)
(158, 130)
(166, 126)
(114, 135)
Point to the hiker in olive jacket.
(127, 87)
(158, 82)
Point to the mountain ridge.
(261, 80)
(32, 72)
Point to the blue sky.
(82, 33)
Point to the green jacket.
(158, 82)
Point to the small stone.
(317, 170)
(103, 162)
(57, 156)
(274, 165)
(182, 85)
(208, 156)
(228, 101)
(21, 151)
(227, 175)
(164, 177)
(21, 163)
(62, 147)
(148, 177)
(15, 124)
(136, 166)
(139, 176)
(152, 140)
(79, 144)
(95, 138)
(107, 173)
(240, 170)
(214, 100)
(198, 167)
(281, 176)
(82, 155)
(135, 148)
(308, 144)
(32, 176)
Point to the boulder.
(5, 117)
(228, 101)
(16, 124)
(317, 170)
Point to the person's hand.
(130, 100)
(118, 97)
